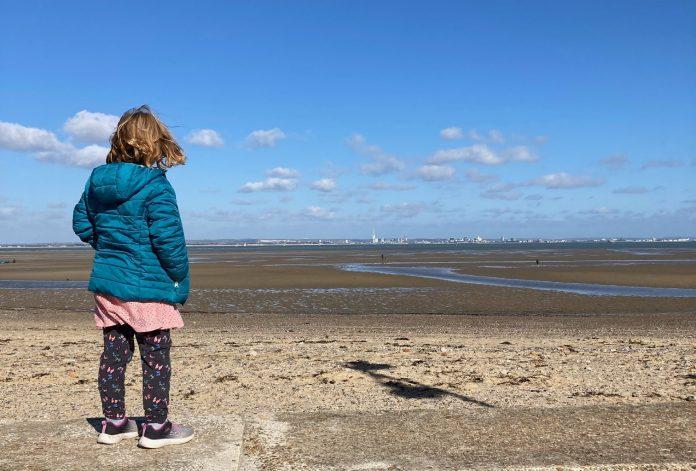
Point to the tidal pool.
(588, 289)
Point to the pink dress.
(141, 316)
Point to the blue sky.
(326, 119)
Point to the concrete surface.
(72, 445)
(615, 437)
(595, 437)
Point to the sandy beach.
(309, 338)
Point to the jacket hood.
(117, 182)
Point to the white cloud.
(478, 153)
(324, 184)
(205, 138)
(563, 180)
(382, 164)
(452, 133)
(283, 172)
(391, 186)
(87, 126)
(474, 175)
(265, 137)
(21, 138)
(317, 212)
(269, 184)
(89, 156)
(433, 173)
(521, 154)
(44, 145)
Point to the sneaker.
(112, 434)
(169, 434)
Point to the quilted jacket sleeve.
(167, 233)
(82, 223)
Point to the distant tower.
(374, 236)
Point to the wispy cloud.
(614, 162)
(452, 133)
(662, 164)
(205, 138)
(358, 143)
(384, 186)
(283, 172)
(492, 135)
(403, 210)
(265, 137)
(318, 212)
(502, 191)
(381, 165)
(432, 173)
(563, 180)
(8, 212)
(475, 176)
(631, 190)
(520, 154)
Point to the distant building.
(375, 240)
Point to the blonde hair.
(141, 138)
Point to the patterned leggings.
(154, 355)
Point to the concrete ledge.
(72, 445)
(618, 437)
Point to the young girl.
(129, 215)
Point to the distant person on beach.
(128, 213)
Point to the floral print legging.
(119, 346)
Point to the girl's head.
(141, 138)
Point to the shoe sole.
(106, 439)
(149, 443)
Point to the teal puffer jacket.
(128, 214)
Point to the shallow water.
(588, 289)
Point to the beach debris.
(690, 398)
(189, 394)
(594, 392)
(568, 348)
(226, 378)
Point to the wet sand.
(310, 281)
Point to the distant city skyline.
(326, 120)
